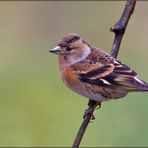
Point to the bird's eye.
(69, 49)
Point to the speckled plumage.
(93, 73)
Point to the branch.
(119, 30)
(86, 119)
(120, 27)
(81, 131)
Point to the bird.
(93, 73)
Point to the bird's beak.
(56, 50)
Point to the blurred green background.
(36, 109)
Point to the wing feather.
(103, 70)
(116, 75)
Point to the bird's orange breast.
(68, 74)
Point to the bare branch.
(86, 119)
(119, 30)
(120, 27)
(81, 131)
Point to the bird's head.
(72, 48)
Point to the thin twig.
(119, 30)
(84, 124)
(81, 131)
(120, 27)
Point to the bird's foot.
(98, 106)
(92, 106)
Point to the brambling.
(94, 74)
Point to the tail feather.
(140, 84)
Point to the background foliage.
(36, 109)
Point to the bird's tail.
(132, 84)
(140, 85)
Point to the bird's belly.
(95, 92)
(87, 91)
(90, 95)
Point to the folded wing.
(116, 76)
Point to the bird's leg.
(91, 107)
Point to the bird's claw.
(90, 110)
(99, 106)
